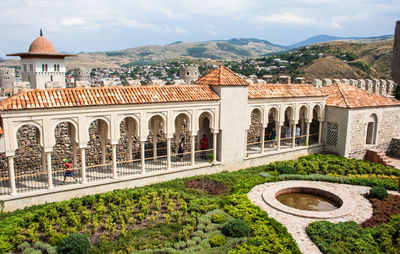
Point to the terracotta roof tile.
(92, 96)
(260, 91)
(346, 96)
(221, 76)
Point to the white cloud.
(180, 30)
(284, 18)
(74, 22)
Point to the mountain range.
(235, 48)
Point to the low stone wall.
(394, 148)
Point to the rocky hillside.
(351, 60)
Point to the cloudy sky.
(100, 25)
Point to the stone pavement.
(296, 225)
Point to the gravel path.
(296, 225)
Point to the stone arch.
(210, 115)
(304, 112)
(65, 134)
(205, 127)
(372, 127)
(289, 113)
(29, 161)
(318, 109)
(256, 123)
(37, 125)
(105, 126)
(134, 121)
(72, 123)
(179, 116)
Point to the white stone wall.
(37, 77)
(233, 123)
(339, 116)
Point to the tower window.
(187, 73)
(42, 67)
(45, 67)
(25, 67)
(31, 67)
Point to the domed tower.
(82, 73)
(189, 73)
(396, 55)
(7, 78)
(42, 66)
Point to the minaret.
(396, 54)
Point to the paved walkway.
(296, 225)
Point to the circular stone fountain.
(310, 201)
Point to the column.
(215, 147)
(155, 146)
(114, 162)
(11, 175)
(103, 151)
(262, 138)
(49, 173)
(245, 142)
(320, 132)
(83, 165)
(307, 133)
(142, 154)
(278, 135)
(74, 154)
(193, 151)
(293, 135)
(130, 148)
(169, 153)
(43, 160)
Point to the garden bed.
(209, 186)
(383, 210)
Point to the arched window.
(42, 67)
(55, 67)
(371, 130)
(58, 67)
(45, 67)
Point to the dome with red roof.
(41, 45)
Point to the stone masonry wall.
(394, 148)
(386, 131)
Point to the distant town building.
(189, 73)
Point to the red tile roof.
(261, 91)
(97, 96)
(41, 45)
(346, 96)
(221, 76)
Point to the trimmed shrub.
(218, 218)
(74, 244)
(236, 228)
(378, 192)
(23, 246)
(286, 169)
(217, 240)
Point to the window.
(31, 67)
(55, 67)
(42, 67)
(25, 67)
(45, 67)
(51, 78)
(371, 130)
(331, 137)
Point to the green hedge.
(371, 182)
(349, 237)
(324, 164)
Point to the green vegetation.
(74, 244)
(378, 192)
(349, 237)
(176, 217)
(217, 240)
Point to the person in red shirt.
(68, 172)
(204, 146)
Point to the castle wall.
(358, 124)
